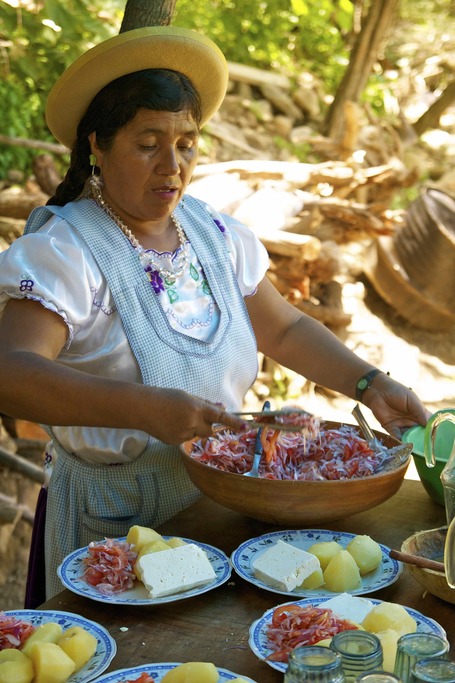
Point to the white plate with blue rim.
(242, 558)
(71, 574)
(106, 646)
(262, 647)
(157, 672)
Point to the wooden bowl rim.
(425, 570)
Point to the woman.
(132, 313)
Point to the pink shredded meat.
(109, 566)
(13, 631)
(293, 626)
(331, 454)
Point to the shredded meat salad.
(13, 632)
(318, 454)
(294, 626)
(109, 566)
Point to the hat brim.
(162, 47)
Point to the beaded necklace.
(146, 257)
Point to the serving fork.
(257, 423)
(254, 471)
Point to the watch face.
(362, 383)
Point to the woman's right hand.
(177, 416)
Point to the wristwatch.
(364, 382)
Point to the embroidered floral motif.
(219, 225)
(172, 295)
(193, 272)
(26, 285)
(206, 288)
(99, 303)
(155, 279)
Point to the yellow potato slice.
(48, 633)
(51, 663)
(15, 667)
(192, 672)
(138, 536)
(78, 644)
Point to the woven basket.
(414, 271)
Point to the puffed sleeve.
(249, 256)
(54, 267)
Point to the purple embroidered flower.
(219, 225)
(155, 280)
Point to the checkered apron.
(88, 501)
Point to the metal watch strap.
(364, 382)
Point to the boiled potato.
(314, 580)
(324, 551)
(366, 552)
(48, 633)
(15, 667)
(138, 536)
(389, 640)
(342, 573)
(389, 615)
(51, 663)
(152, 547)
(78, 644)
(175, 542)
(192, 672)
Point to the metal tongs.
(395, 456)
(261, 418)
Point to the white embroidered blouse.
(55, 267)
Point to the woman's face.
(149, 165)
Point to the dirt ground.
(421, 359)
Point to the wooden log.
(11, 511)
(46, 173)
(18, 464)
(11, 228)
(301, 247)
(33, 144)
(16, 202)
(255, 76)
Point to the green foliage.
(38, 44)
(290, 36)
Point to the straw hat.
(167, 47)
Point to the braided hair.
(115, 106)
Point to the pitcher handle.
(430, 435)
(449, 555)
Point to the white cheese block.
(349, 607)
(175, 570)
(284, 566)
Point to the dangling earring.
(95, 181)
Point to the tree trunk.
(140, 13)
(431, 117)
(364, 54)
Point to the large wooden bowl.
(430, 544)
(295, 503)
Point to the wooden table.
(214, 626)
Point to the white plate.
(106, 646)
(258, 641)
(242, 558)
(158, 671)
(71, 573)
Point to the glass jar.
(414, 646)
(378, 677)
(360, 651)
(430, 670)
(314, 664)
